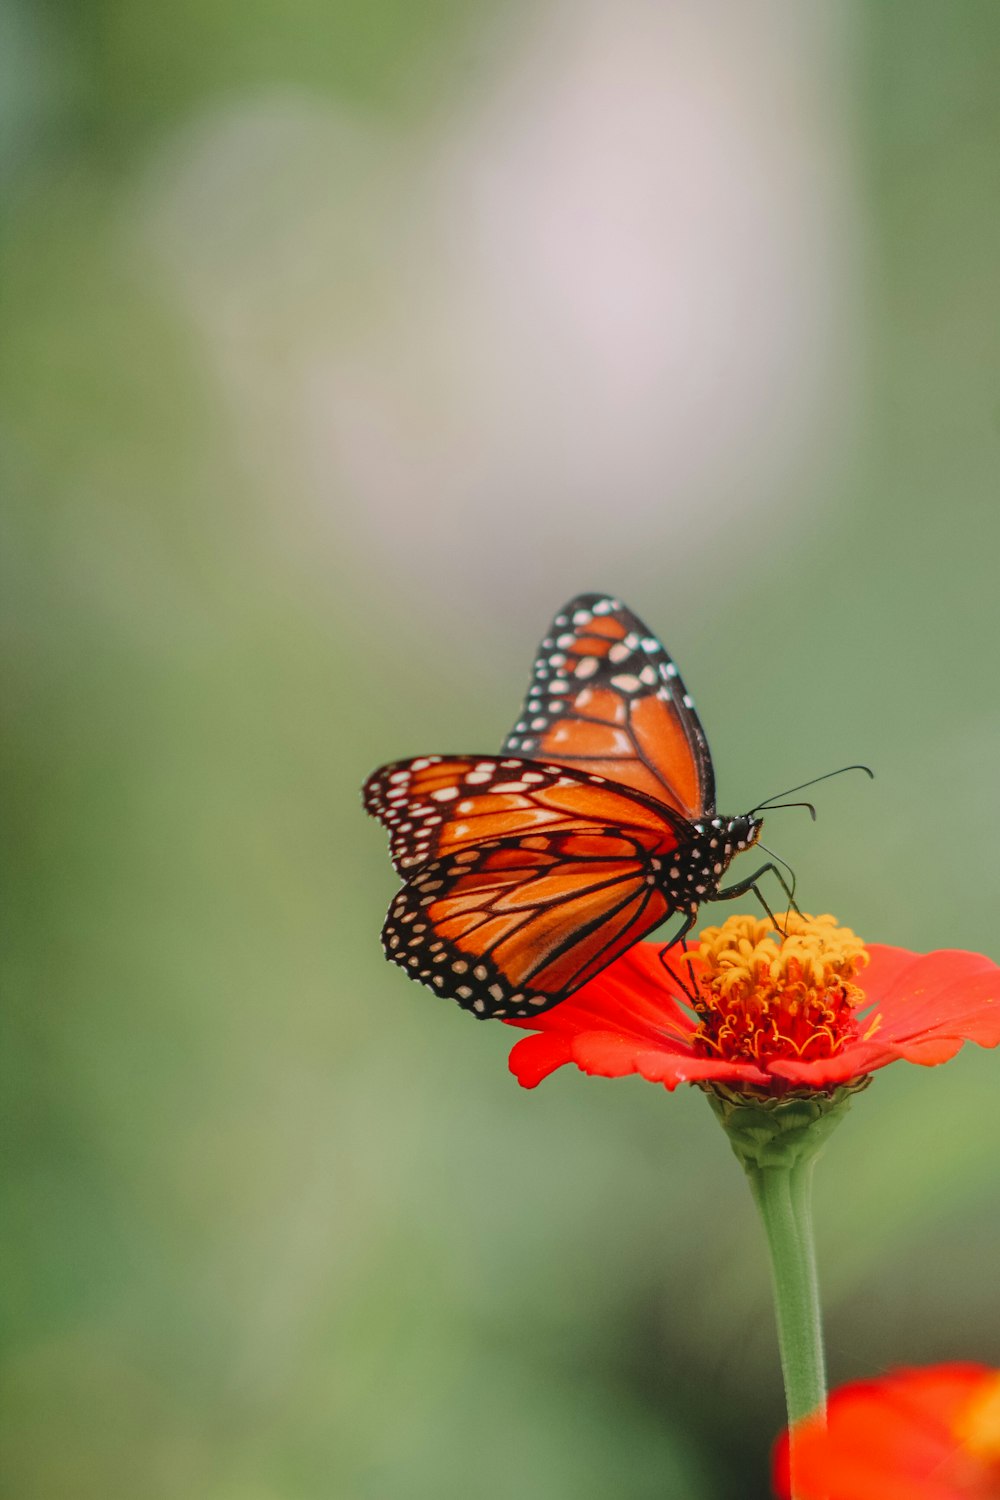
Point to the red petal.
(633, 995)
(826, 1072)
(608, 1054)
(888, 1439)
(886, 970)
(535, 1057)
(922, 1006)
(918, 1007)
(613, 1056)
(630, 999)
(948, 995)
(624, 1021)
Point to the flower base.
(766, 1130)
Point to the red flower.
(767, 1016)
(930, 1434)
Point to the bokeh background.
(342, 341)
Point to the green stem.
(783, 1195)
(776, 1141)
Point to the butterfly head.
(743, 832)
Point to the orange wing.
(605, 697)
(513, 926)
(440, 804)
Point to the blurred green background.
(341, 343)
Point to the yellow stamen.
(785, 993)
(747, 950)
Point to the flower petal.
(827, 1072)
(535, 1057)
(919, 1007)
(612, 1056)
(624, 1021)
(631, 997)
(949, 994)
(887, 1439)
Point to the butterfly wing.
(512, 926)
(439, 805)
(606, 698)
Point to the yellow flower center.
(978, 1426)
(787, 994)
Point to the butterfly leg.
(680, 936)
(793, 904)
(741, 887)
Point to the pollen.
(787, 993)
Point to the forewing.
(513, 926)
(605, 697)
(438, 805)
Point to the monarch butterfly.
(526, 873)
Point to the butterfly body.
(526, 873)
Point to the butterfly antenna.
(815, 781)
(777, 807)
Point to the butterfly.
(526, 873)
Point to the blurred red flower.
(811, 1011)
(931, 1434)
